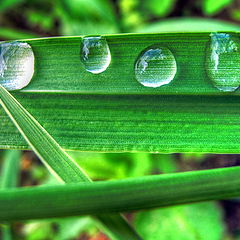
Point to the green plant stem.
(59, 163)
(9, 178)
(122, 195)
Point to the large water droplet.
(155, 67)
(223, 61)
(16, 65)
(95, 54)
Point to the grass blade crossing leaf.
(120, 195)
(57, 161)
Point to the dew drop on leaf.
(16, 65)
(155, 67)
(223, 61)
(95, 54)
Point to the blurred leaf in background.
(131, 17)
(188, 25)
(28, 19)
(160, 8)
(86, 17)
(6, 4)
(105, 166)
(211, 7)
(199, 221)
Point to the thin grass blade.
(57, 161)
(120, 195)
(8, 179)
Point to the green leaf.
(97, 122)
(6, 4)
(187, 24)
(13, 34)
(211, 7)
(51, 154)
(103, 165)
(6, 232)
(71, 228)
(165, 163)
(81, 17)
(113, 112)
(9, 179)
(199, 221)
(160, 8)
(59, 163)
(38, 230)
(10, 169)
(119, 195)
(40, 19)
(101, 9)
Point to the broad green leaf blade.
(132, 123)
(58, 162)
(113, 112)
(119, 195)
(58, 66)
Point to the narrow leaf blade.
(58, 162)
(120, 195)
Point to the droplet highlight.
(155, 66)
(95, 54)
(16, 65)
(223, 61)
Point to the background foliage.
(35, 18)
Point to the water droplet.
(155, 67)
(95, 54)
(223, 60)
(16, 65)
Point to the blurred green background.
(41, 18)
(35, 18)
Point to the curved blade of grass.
(9, 179)
(57, 161)
(119, 195)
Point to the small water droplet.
(155, 67)
(223, 60)
(95, 54)
(16, 65)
